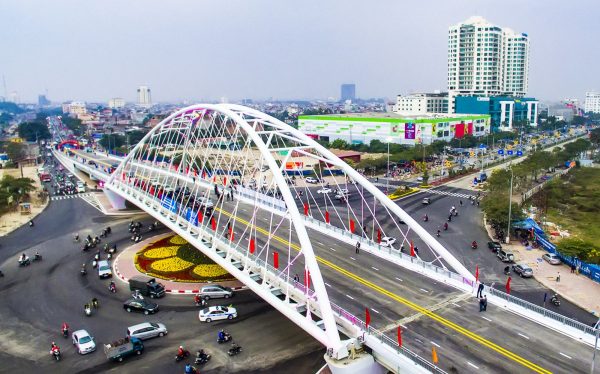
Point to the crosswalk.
(448, 193)
(66, 197)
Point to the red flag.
(214, 178)
(231, 235)
(352, 226)
(252, 246)
(307, 278)
(399, 336)
(276, 260)
(327, 216)
(378, 235)
(412, 249)
(305, 209)
(367, 317)
(224, 181)
(508, 285)
(200, 217)
(203, 174)
(213, 224)
(476, 273)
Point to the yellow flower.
(161, 252)
(178, 240)
(209, 271)
(171, 265)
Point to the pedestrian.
(450, 218)
(572, 268)
(481, 301)
(485, 303)
(460, 203)
(477, 202)
(416, 250)
(480, 290)
(296, 278)
(558, 277)
(229, 225)
(577, 270)
(357, 247)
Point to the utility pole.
(509, 204)
(597, 327)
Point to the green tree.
(112, 141)
(74, 124)
(15, 187)
(339, 144)
(33, 131)
(15, 151)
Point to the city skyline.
(315, 49)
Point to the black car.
(494, 246)
(140, 305)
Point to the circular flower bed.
(174, 259)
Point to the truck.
(45, 177)
(121, 348)
(146, 286)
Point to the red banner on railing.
(327, 216)
(276, 260)
(352, 226)
(252, 246)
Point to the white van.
(146, 330)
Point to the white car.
(215, 313)
(83, 341)
(325, 190)
(387, 241)
(104, 269)
(80, 187)
(312, 180)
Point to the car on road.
(147, 330)
(83, 342)
(524, 270)
(215, 291)
(325, 190)
(342, 191)
(80, 187)
(387, 241)
(140, 305)
(312, 180)
(104, 269)
(505, 256)
(426, 201)
(551, 258)
(494, 246)
(215, 313)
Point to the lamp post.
(387, 180)
(509, 205)
(597, 326)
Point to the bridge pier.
(362, 363)
(115, 200)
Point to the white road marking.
(456, 305)
(475, 366)
(562, 354)
(525, 336)
(399, 279)
(419, 340)
(332, 249)
(374, 268)
(487, 319)
(320, 243)
(327, 284)
(404, 327)
(375, 311)
(350, 297)
(424, 290)
(436, 344)
(353, 258)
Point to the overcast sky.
(192, 49)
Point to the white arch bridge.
(256, 196)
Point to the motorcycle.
(65, 333)
(108, 230)
(88, 310)
(24, 262)
(234, 350)
(55, 354)
(83, 271)
(225, 339)
(555, 300)
(37, 257)
(507, 270)
(112, 287)
(201, 358)
(474, 246)
(183, 356)
(30, 223)
(136, 238)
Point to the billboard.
(409, 131)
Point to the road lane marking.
(562, 354)
(353, 258)
(327, 284)
(424, 290)
(320, 243)
(419, 340)
(525, 336)
(477, 338)
(404, 327)
(473, 365)
(350, 297)
(375, 310)
(332, 249)
(487, 319)
(374, 268)
(456, 305)
(399, 279)
(436, 344)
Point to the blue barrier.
(191, 216)
(169, 203)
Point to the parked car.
(551, 258)
(494, 246)
(215, 313)
(523, 270)
(104, 269)
(387, 241)
(140, 305)
(83, 342)
(325, 190)
(147, 330)
(215, 291)
(505, 256)
(312, 180)
(426, 201)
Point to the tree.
(595, 137)
(15, 151)
(339, 144)
(112, 141)
(74, 124)
(15, 187)
(33, 131)
(495, 207)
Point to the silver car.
(523, 270)
(215, 291)
(147, 330)
(551, 258)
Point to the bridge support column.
(115, 200)
(362, 363)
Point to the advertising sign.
(409, 131)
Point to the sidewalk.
(578, 289)
(124, 268)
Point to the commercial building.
(348, 92)
(504, 111)
(144, 97)
(485, 59)
(422, 103)
(116, 103)
(362, 128)
(592, 102)
(74, 107)
(43, 100)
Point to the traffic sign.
(501, 151)
(510, 152)
(519, 153)
(471, 153)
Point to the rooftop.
(387, 115)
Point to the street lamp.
(597, 327)
(387, 180)
(509, 204)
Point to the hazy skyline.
(194, 50)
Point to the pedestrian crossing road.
(65, 197)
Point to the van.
(505, 256)
(147, 330)
(215, 291)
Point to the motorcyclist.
(197, 299)
(112, 287)
(23, 258)
(95, 303)
(474, 244)
(221, 335)
(54, 349)
(438, 233)
(181, 352)
(426, 218)
(189, 369)
(445, 226)
(65, 328)
(507, 270)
